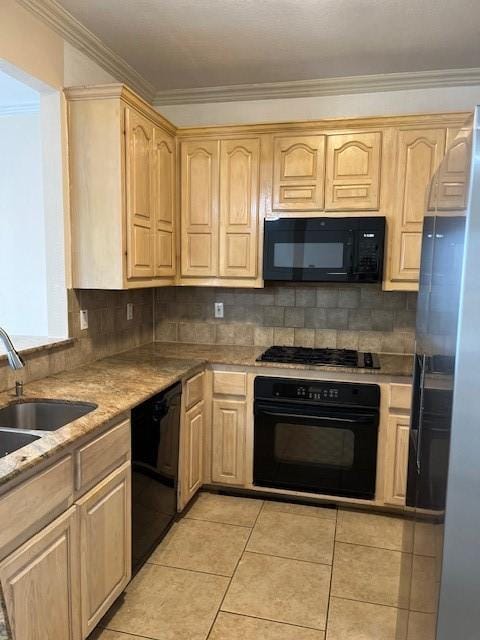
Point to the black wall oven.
(316, 436)
(324, 249)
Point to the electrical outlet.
(130, 311)
(218, 306)
(83, 319)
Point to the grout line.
(172, 566)
(229, 524)
(288, 624)
(272, 555)
(369, 546)
(126, 633)
(331, 574)
(377, 604)
(235, 570)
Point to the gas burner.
(321, 357)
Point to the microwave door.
(313, 256)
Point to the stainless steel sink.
(42, 415)
(11, 441)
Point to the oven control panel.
(317, 392)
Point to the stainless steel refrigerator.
(442, 577)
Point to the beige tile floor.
(245, 569)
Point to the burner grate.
(325, 357)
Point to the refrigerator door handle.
(420, 417)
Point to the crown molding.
(63, 23)
(321, 87)
(19, 109)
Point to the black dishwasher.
(155, 444)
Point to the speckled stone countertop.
(118, 383)
(391, 364)
(114, 384)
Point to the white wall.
(295, 109)
(23, 284)
(79, 69)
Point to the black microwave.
(324, 249)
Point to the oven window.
(308, 255)
(325, 446)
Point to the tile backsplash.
(345, 316)
(109, 332)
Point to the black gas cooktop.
(325, 357)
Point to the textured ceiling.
(203, 43)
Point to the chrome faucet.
(15, 360)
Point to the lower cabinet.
(105, 538)
(41, 585)
(228, 441)
(396, 459)
(191, 462)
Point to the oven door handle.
(275, 414)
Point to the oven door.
(301, 252)
(315, 449)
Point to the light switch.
(83, 319)
(218, 309)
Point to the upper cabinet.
(419, 152)
(219, 210)
(122, 190)
(298, 173)
(199, 207)
(144, 215)
(353, 172)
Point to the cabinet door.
(353, 172)
(298, 173)
(453, 175)
(41, 585)
(191, 475)
(228, 441)
(396, 460)
(419, 154)
(199, 207)
(164, 202)
(140, 214)
(105, 543)
(239, 176)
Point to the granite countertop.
(118, 383)
(391, 364)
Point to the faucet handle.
(18, 389)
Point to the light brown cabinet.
(105, 549)
(192, 441)
(353, 172)
(200, 175)
(419, 152)
(61, 581)
(122, 190)
(40, 583)
(396, 459)
(453, 175)
(298, 173)
(219, 210)
(228, 441)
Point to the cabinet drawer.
(29, 507)
(400, 396)
(194, 390)
(100, 456)
(230, 383)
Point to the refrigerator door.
(430, 428)
(459, 611)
